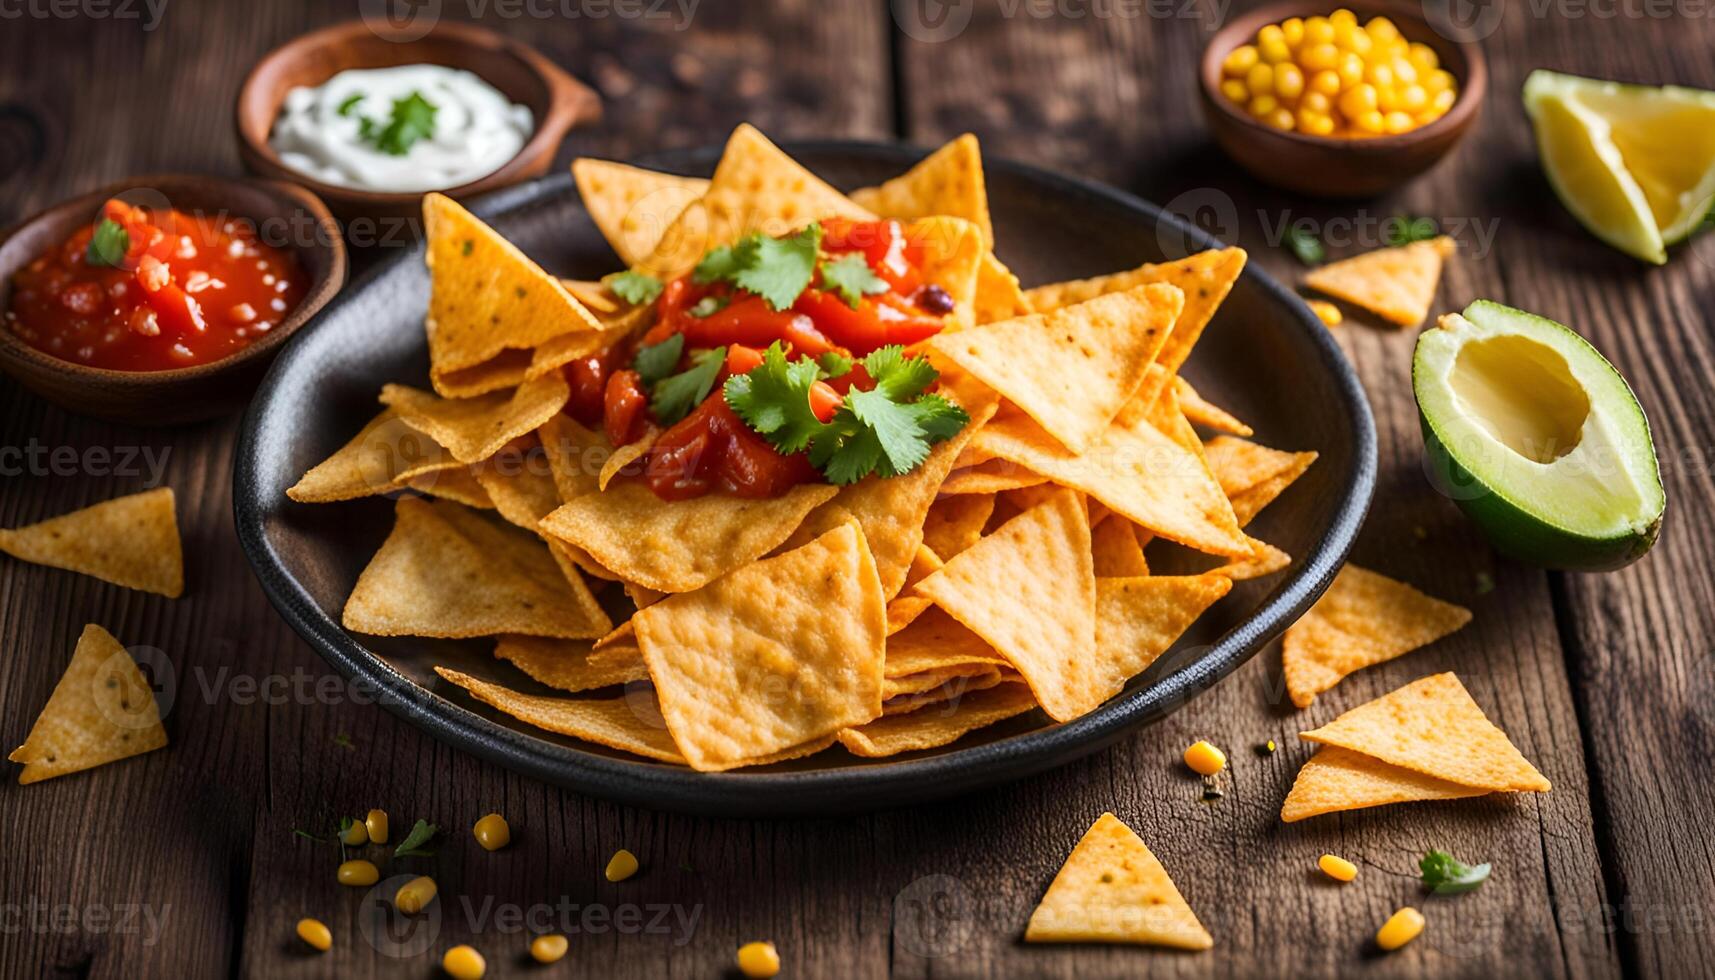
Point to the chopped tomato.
(588, 379)
(624, 407)
(825, 400)
(875, 322)
(751, 322)
(712, 448)
(890, 252)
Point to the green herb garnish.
(657, 361)
(412, 119)
(675, 396)
(1306, 246)
(636, 288)
(851, 278)
(351, 102)
(834, 364)
(412, 846)
(776, 269)
(109, 244)
(1446, 875)
(343, 741)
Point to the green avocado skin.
(1519, 535)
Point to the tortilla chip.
(486, 297)
(1362, 620)
(131, 541)
(447, 571)
(780, 652)
(1045, 631)
(927, 729)
(565, 664)
(951, 253)
(955, 523)
(1113, 890)
(933, 641)
(925, 564)
(937, 682)
(1115, 549)
(999, 296)
(1203, 412)
(1073, 369)
(626, 455)
(1396, 284)
(1205, 278)
(474, 429)
(756, 187)
(681, 545)
(989, 478)
(1433, 727)
(627, 722)
(593, 294)
(903, 610)
(575, 456)
(1252, 476)
(1336, 779)
(951, 690)
(102, 710)
(1139, 619)
(1265, 561)
(459, 485)
(633, 207)
(381, 458)
(948, 181)
(521, 486)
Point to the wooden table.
(184, 862)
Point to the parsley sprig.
(412, 846)
(1445, 874)
(636, 288)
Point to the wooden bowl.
(285, 215)
(1326, 166)
(556, 100)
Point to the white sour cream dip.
(476, 130)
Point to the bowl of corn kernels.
(1348, 102)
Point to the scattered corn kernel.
(355, 834)
(1400, 929)
(1205, 759)
(315, 934)
(415, 895)
(358, 874)
(492, 832)
(464, 963)
(376, 824)
(1337, 868)
(1329, 314)
(758, 960)
(548, 949)
(622, 865)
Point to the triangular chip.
(131, 541)
(485, 297)
(474, 429)
(381, 458)
(631, 722)
(1433, 727)
(903, 610)
(1396, 284)
(1138, 619)
(566, 664)
(948, 181)
(459, 484)
(1046, 630)
(521, 484)
(1071, 370)
(1362, 620)
(776, 654)
(1265, 561)
(1115, 548)
(1252, 476)
(990, 477)
(624, 456)
(999, 296)
(633, 207)
(1203, 412)
(954, 523)
(1336, 779)
(448, 571)
(935, 640)
(101, 711)
(950, 254)
(1113, 890)
(931, 726)
(575, 456)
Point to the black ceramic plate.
(1265, 357)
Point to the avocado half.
(1538, 439)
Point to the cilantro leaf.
(1306, 246)
(902, 378)
(351, 102)
(657, 361)
(1401, 230)
(780, 268)
(774, 399)
(1447, 875)
(851, 277)
(674, 396)
(636, 288)
(412, 846)
(718, 265)
(894, 425)
(834, 364)
(109, 244)
(412, 119)
(709, 305)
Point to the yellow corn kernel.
(1439, 81)
(464, 963)
(622, 865)
(1240, 61)
(358, 874)
(1271, 45)
(1443, 101)
(415, 895)
(1343, 16)
(1334, 866)
(1319, 57)
(1423, 56)
(315, 935)
(1379, 74)
(492, 832)
(1404, 72)
(1317, 30)
(1315, 123)
(1316, 103)
(758, 960)
(1414, 99)
(1326, 82)
(1382, 29)
(1357, 100)
(375, 823)
(548, 949)
(354, 835)
(1288, 81)
(1236, 90)
(1387, 98)
(1400, 929)
(1330, 315)
(1352, 38)
(1260, 79)
(1351, 69)
(1371, 123)
(1280, 119)
(1262, 105)
(1292, 28)
(1205, 759)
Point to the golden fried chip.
(986, 479)
(1204, 413)
(1433, 727)
(999, 296)
(1396, 284)
(952, 676)
(954, 687)
(1113, 890)
(521, 485)
(929, 727)
(575, 456)
(447, 571)
(935, 640)
(1336, 779)
(566, 664)
(630, 722)
(903, 610)
(1362, 620)
(954, 523)
(474, 429)
(485, 298)
(131, 541)
(101, 711)
(595, 296)
(459, 485)
(951, 253)
(948, 181)
(633, 207)
(1265, 561)
(1252, 476)
(381, 458)
(776, 654)
(1115, 549)
(926, 563)
(1139, 619)
(681, 545)
(626, 455)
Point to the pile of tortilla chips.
(1007, 572)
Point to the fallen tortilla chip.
(1139, 619)
(102, 710)
(131, 541)
(447, 571)
(474, 429)
(565, 664)
(927, 727)
(1335, 779)
(1113, 890)
(776, 654)
(485, 297)
(381, 458)
(1396, 284)
(687, 544)
(1433, 727)
(1115, 549)
(954, 523)
(1362, 620)
(1204, 413)
(1071, 370)
(633, 207)
(1045, 631)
